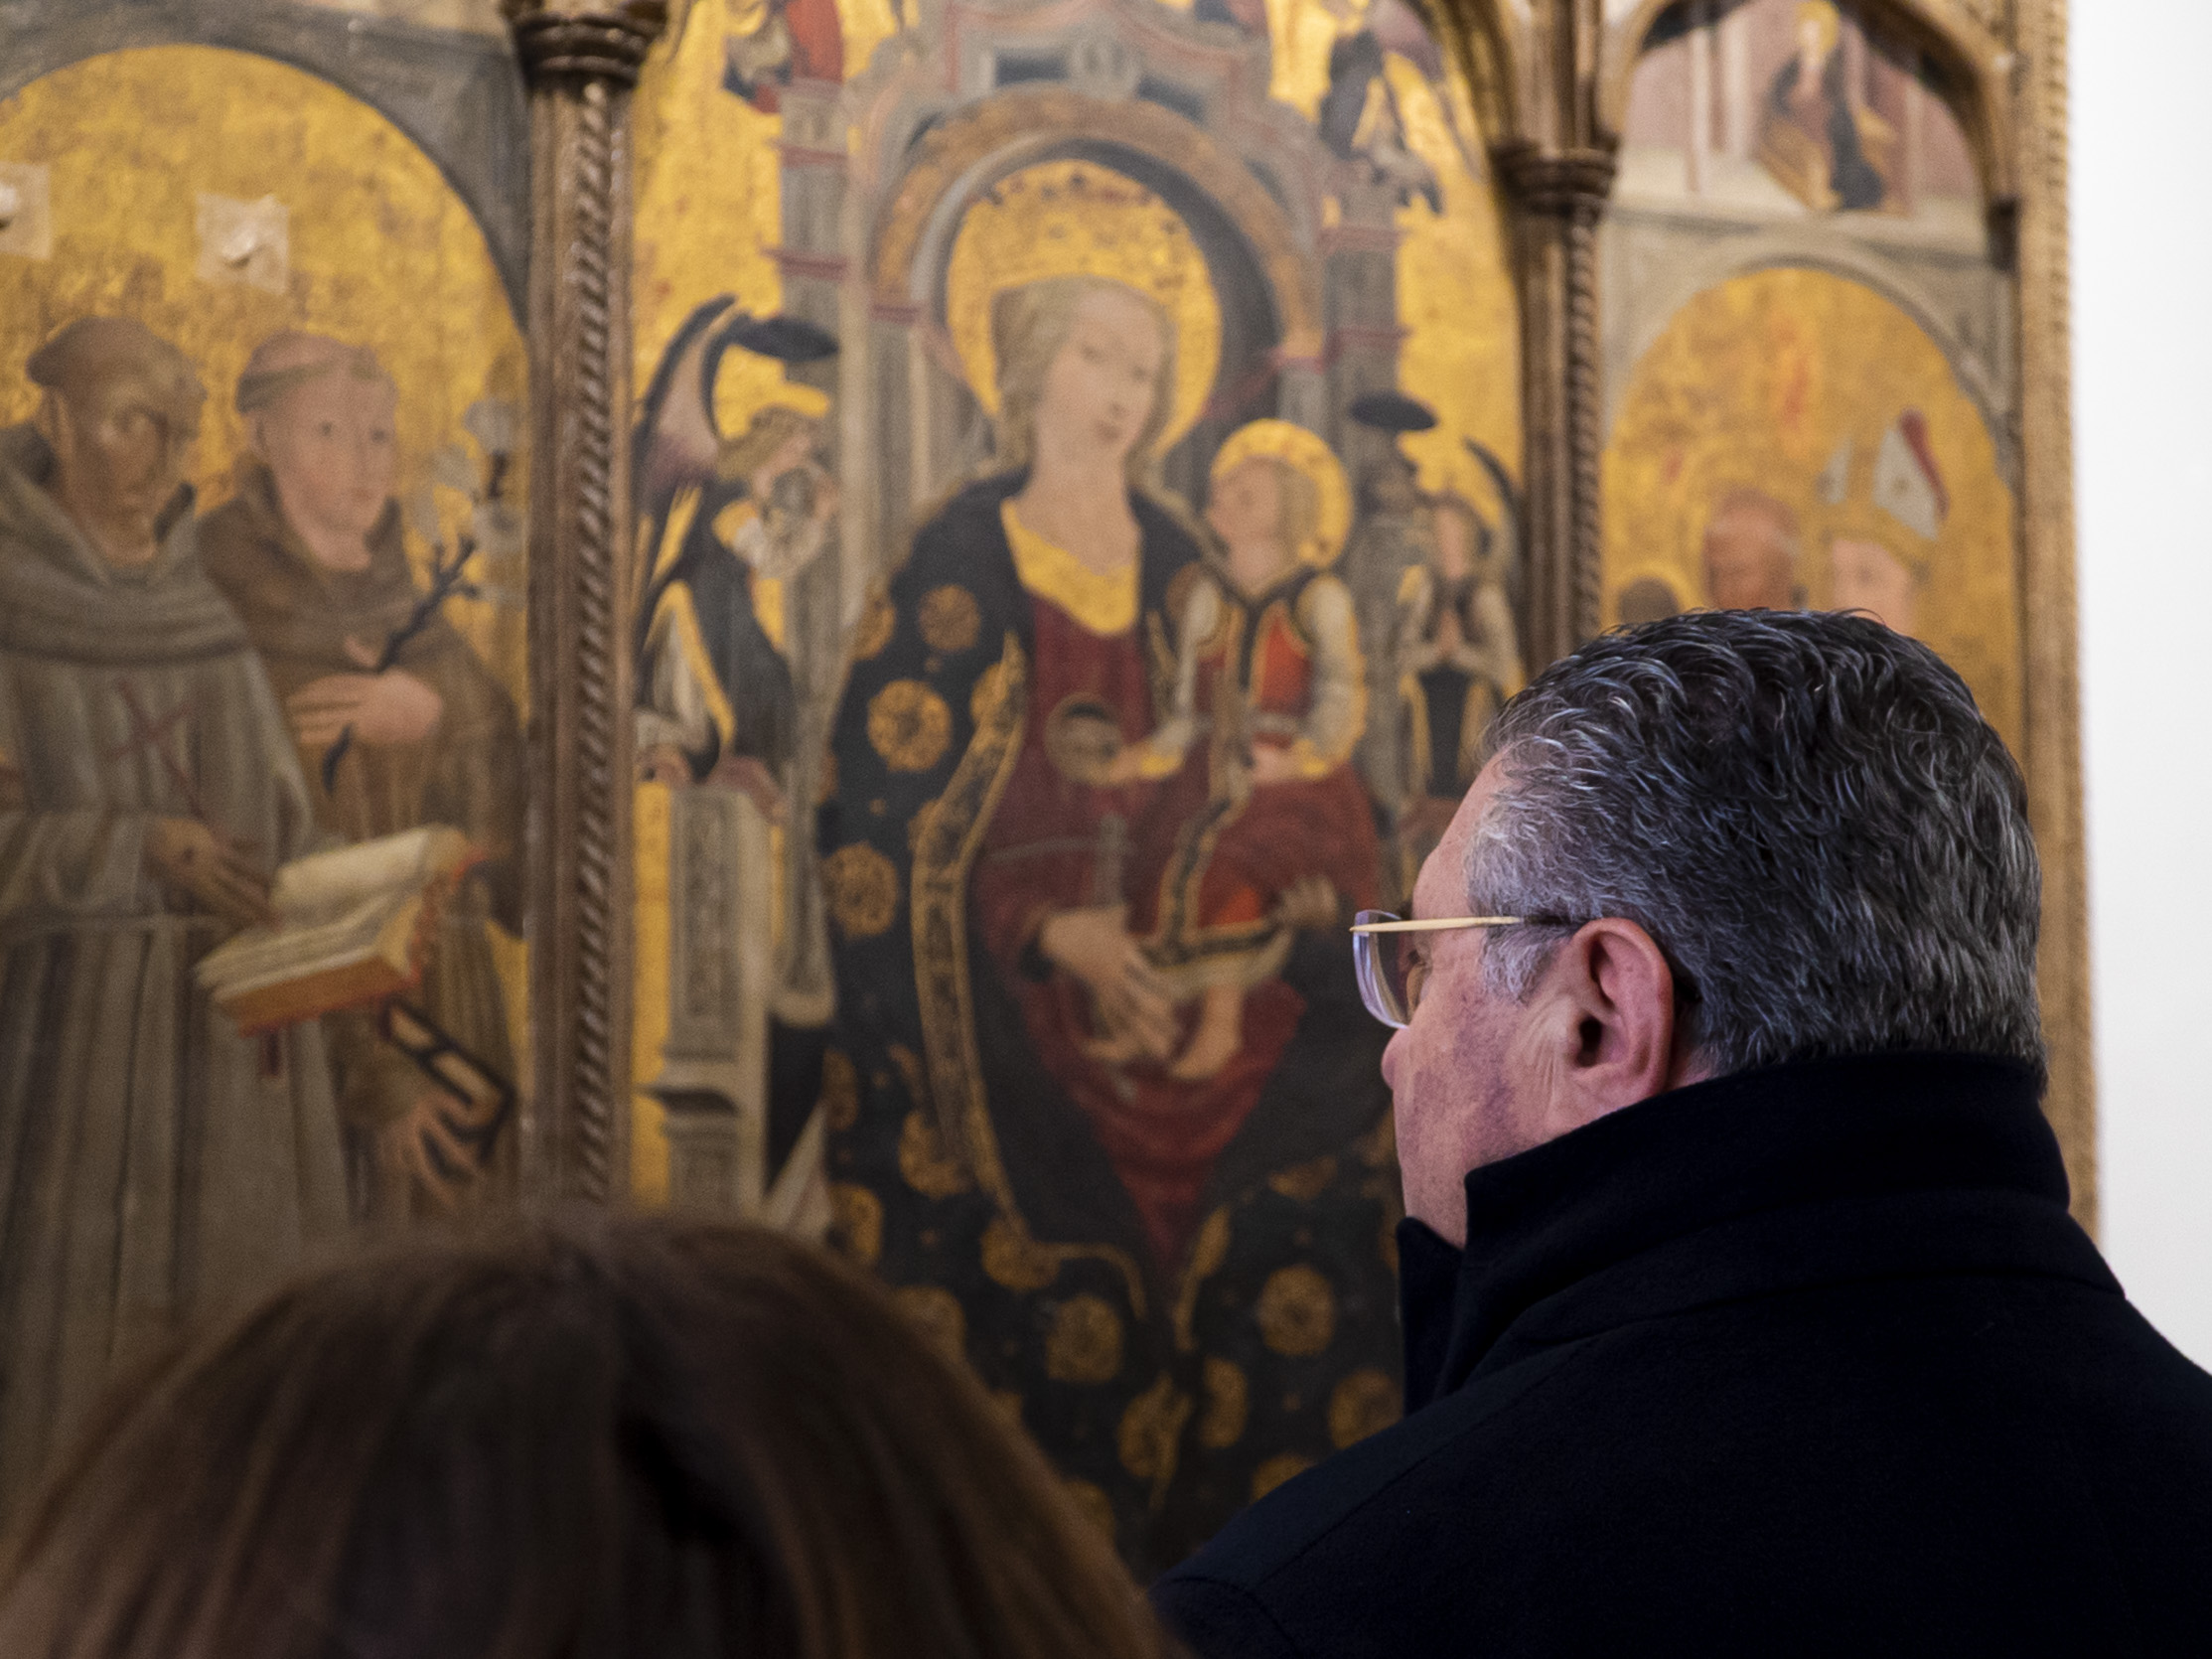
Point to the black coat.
(1810, 1360)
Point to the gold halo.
(1063, 217)
(1824, 13)
(1294, 445)
(1762, 377)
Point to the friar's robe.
(154, 1165)
(469, 774)
(975, 1160)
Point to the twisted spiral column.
(1559, 198)
(580, 68)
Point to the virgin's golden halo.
(1062, 218)
(1294, 445)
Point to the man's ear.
(1616, 996)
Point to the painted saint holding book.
(311, 552)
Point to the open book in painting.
(352, 929)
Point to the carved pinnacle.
(555, 44)
(1573, 183)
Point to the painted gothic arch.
(1976, 66)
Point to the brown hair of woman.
(600, 1438)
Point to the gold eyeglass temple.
(1423, 925)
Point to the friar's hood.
(292, 604)
(60, 599)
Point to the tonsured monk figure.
(309, 550)
(154, 1165)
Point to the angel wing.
(677, 440)
(1403, 27)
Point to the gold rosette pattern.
(909, 725)
(862, 888)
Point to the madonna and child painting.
(1149, 658)
(1105, 1100)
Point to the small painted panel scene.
(261, 685)
(1795, 440)
(1077, 463)
(1788, 108)
(1810, 377)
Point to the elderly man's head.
(1739, 838)
(121, 412)
(324, 416)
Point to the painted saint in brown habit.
(311, 552)
(154, 1165)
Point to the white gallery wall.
(2143, 410)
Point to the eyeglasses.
(1392, 961)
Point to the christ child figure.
(1264, 828)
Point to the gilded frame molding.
(1549, 82)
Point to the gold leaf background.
(383, 254)
(1754, 383)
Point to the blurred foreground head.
(590, 1441)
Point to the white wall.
(2143, 408)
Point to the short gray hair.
(1808, 815)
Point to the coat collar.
(1757, 1182)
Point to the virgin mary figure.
(1821, 143)
(1004, 1117)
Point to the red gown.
(1056, 843)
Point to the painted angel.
(732, 520)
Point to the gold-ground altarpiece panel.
(878, 254)
(260, 330)
(727, 335)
